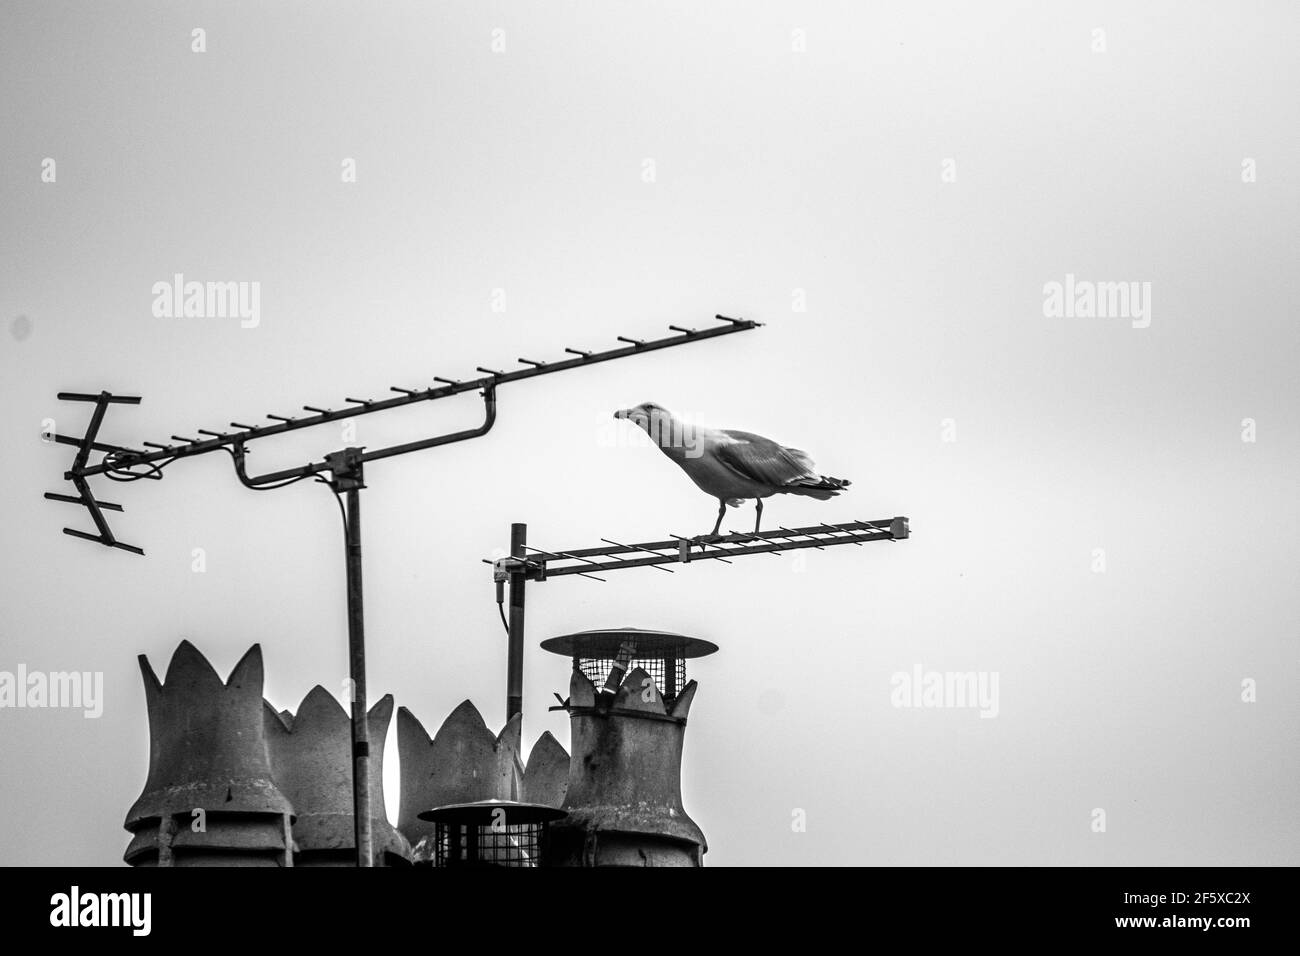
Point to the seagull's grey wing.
(763, 460)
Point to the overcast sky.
(889, 188)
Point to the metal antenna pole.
(348, 481)
(515, 652)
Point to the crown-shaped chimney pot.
(546, 776)
(210, 789)
(462, 763)
(311, 757)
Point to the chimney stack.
(624, 797)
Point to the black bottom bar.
(978, 908)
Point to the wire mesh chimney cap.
(602, 658)
(604, 643)
(481, 812)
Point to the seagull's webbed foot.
(703, 539)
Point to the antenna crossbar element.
(85, 445)
(543, 565)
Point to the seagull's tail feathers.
(820, 487)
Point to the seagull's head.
(647, 416)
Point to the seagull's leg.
(712, 536)
(758, 515)
(722, 510)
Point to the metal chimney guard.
(624, 800)
(604, 656)
(491, 833)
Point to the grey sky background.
(776, 171)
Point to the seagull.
(732, 466)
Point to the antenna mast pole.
(515, 651)
(348, 480)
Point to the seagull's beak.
(621, 413)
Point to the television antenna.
(525, 564)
